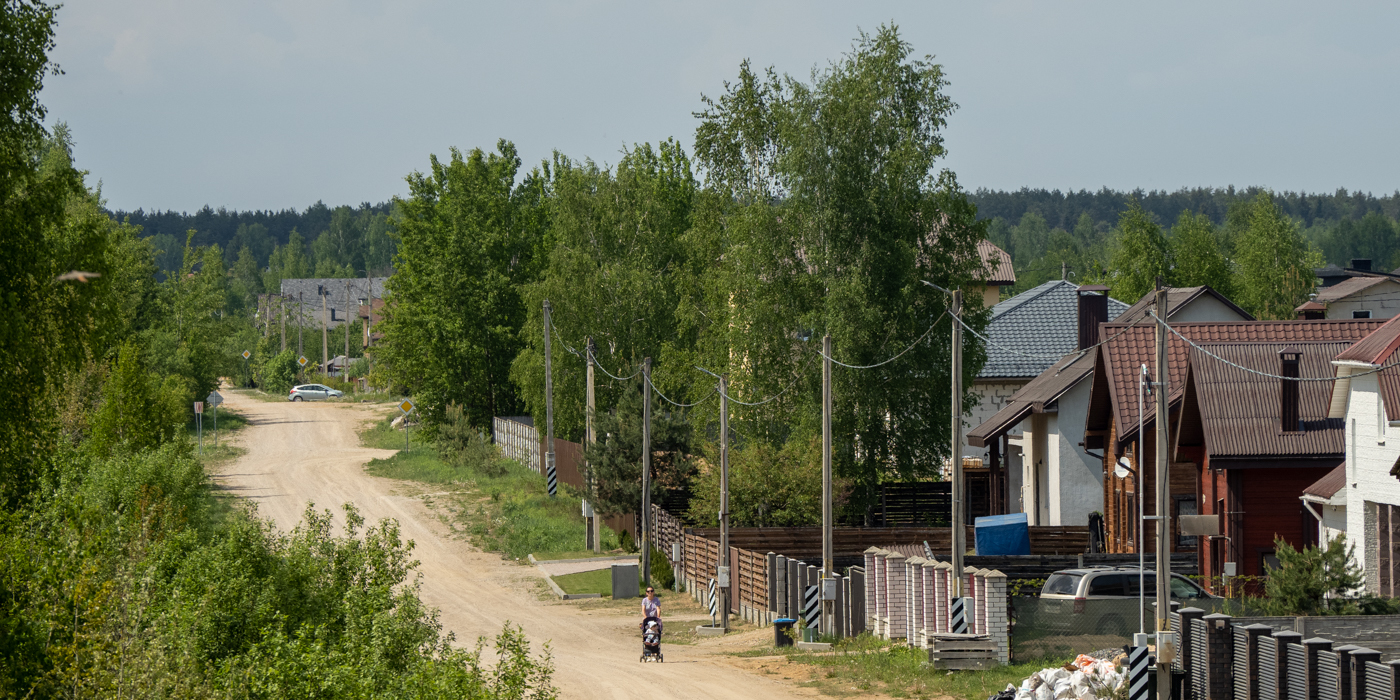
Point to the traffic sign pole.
(407, 407)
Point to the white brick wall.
(895, 594)
(870, 587)
(996, 620)
(991, 397)
(882, 610)
(940, 593)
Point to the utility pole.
(551, 478)
(828, 621)
(369, 322)
(1165, 651)
(591, 435)
(301, 309)
(646, 472)
(325, 336)
(959, 534)
(282, 317)
(347, 324)
(724, 579)
(265, 304)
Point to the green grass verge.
(599, 582)
(506, 508)
(863, 665)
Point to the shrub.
(662, 576)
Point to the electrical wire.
(589, 354)
(1004, 348)
(676, 403)
(1251, 370)
(892, 359)
(772, 398)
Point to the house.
(1244, 444)
(1361, 296)
(1326, 501)
(372, 314)
(343, 297)
(1042, 424)
(998, 272)
(1369, 402)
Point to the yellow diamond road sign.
(302, 360)
(247, 354)
(406, 406)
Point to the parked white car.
(313, 392)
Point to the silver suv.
(1101, 599)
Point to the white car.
(313, 392)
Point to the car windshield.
(1062, 584)
(1182, 588)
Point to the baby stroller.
(651, 640)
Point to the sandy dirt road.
(311, 452)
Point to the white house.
(1369, 401)
(1363, 296)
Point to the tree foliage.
(615, 461)
(769, 486)
(1275, 262)
(1141, 255)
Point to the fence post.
(882, 607)
(860, 597)
(1246, 653)
(927, 571)
(772, 561)
(1343, 691)
(895, 595)
(1216, 657)
(1359, 657)
(980, 600)
(998, 625)
(940, 596)
(838, 618)
(779, 594)
(1285, 674)
(794, 588)
(1310, 649)
(868, 579)
(914, 622)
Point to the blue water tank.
(999, 535)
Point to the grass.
(599, 581)
(504, 508)
(864, 665)
(230, 422)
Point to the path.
(299, 452)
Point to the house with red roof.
(1245, 441)
(1366, 396)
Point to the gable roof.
(996, 263)
(1325, 488)
(1043, 322)
(1129, 347)
(1348, 287)
(1240, 413)
(1060, 377)
(1375, 350)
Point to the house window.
(1388, 549)
(1268, 561)
(1185, 505)
(1361, 314)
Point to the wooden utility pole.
(301, 309)
(828, 621)
(369, 321)
(959, 537)
(325, 335)
(724, 501)
(645, 523)
(591, 435)
(1165, 652)
(550, 476)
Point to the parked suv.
(313, 392)
(1102, 599)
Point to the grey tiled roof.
(1043, 321)
(336, 310)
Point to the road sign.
(214, 399)
(247, 354)
(199, 407)
(302, 360)
(406, 407)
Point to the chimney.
(1290, 420)
(1362, 264)
(1093, 310)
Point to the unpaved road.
(311, 452)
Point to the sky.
(178, 104)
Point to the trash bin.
(782, 628)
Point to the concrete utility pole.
(282, 317)
(955, 377)
(1165, 651)
(347, 324)
(828, 621)
(325, 336)
(369, 322)
(550, 476)
(265, 305)
(591, 433)
(301, 309)
(645, 523)
(724, 498)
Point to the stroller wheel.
(643, 658)
(661, 658)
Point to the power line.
(555, 329)
(896, 357)
(770, 399)
(1237, 365)
(1004, 348)
(676, 403)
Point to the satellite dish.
(1122, 470)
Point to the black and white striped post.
(551, 478)
(957, 618)
(1138, 687)
(714, 601)
(811, 607)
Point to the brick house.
(1244, 446)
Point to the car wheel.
(296, 398)
(1112, 625)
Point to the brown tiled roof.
(1348, 287)
(1376, 348)
(1329, 485)
(1045, 389)
(1311, 306)
(996, 262)
(1121, 356)
(1241, 412)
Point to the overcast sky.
(175, 104)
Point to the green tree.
(138, 412)
(1140, 256)
(1312, 581)
(769, 486)
(469, 235)
(827, 212)
(1197, 256)
(1275, 263)
(614, 463)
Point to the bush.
(662, 575)
(278, 374)
(1318, 581)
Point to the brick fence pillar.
(1217, 655)
(998, 625)
(882, 600)
(895, 595)
(1184, 651)
(928, 571)
(1359, 657)
(940, 596)
(870, 607)
(914, 624)
(1312, 646)
(1344, 671)
(1247, 685)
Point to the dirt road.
(311, 452)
